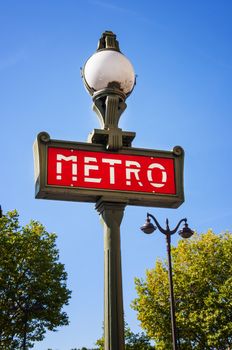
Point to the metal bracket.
(109, 104)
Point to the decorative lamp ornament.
(109, 69)
(109, 78)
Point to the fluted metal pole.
(112, 214)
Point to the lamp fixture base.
(112, 139)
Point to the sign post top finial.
(108, 41)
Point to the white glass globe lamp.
(109, 69)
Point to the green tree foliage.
(202, 269)
(134, 341)
(32, 283)
(137, 341)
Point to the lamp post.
(186, 232)
(109, 171)
(109, 78)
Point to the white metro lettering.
(130, 171)
(99, 170)
(59, 159)
(88, 167)
(112, 162)
(150, 178)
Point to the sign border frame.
(79, 194)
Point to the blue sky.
(181, 52)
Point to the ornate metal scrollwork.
(44, 137)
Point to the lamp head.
(148, 227)
(108, 68)
(186, 232)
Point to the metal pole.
(112, 214)
(172, 300)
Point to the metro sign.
(109, 171)
(86, 172)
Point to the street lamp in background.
(186, 232)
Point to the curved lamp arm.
(167, 231)
(178, 225)
(156, 222)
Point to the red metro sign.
(109, 171)
(86, 172)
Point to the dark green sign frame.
(45, 191)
